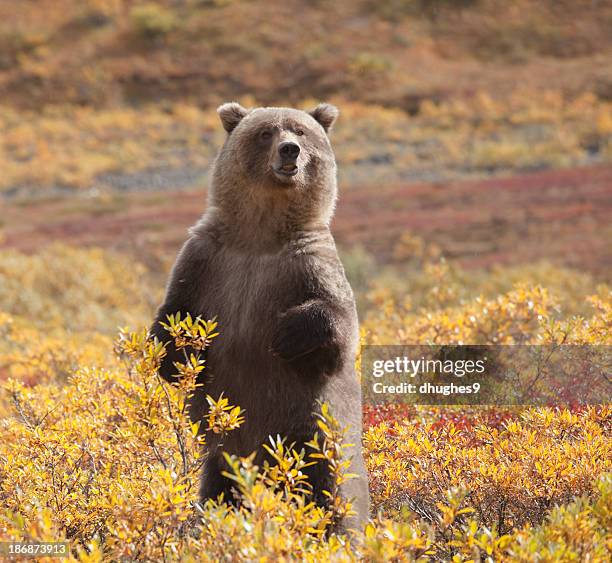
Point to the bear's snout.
(285, 160)
(288, 150)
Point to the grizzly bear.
(262, 261)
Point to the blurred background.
(474, 149)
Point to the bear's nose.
(288, 149)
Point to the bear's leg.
(355, 489)
(213, 482)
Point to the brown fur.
(263, 261)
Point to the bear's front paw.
(301, 333)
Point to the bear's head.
(276, 168)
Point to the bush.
(152, 21)
(579, 531)
(510, 478)
(369, 64)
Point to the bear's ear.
(231, 114)
(326, 115)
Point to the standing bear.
(263, 261)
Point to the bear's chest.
(247, 293)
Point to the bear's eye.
(266, 135)
(299, 132)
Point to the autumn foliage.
(96, 449)
(475, 140)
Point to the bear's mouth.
(286, 170)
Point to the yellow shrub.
(579, 531)
(152, 20)
(513, 474)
